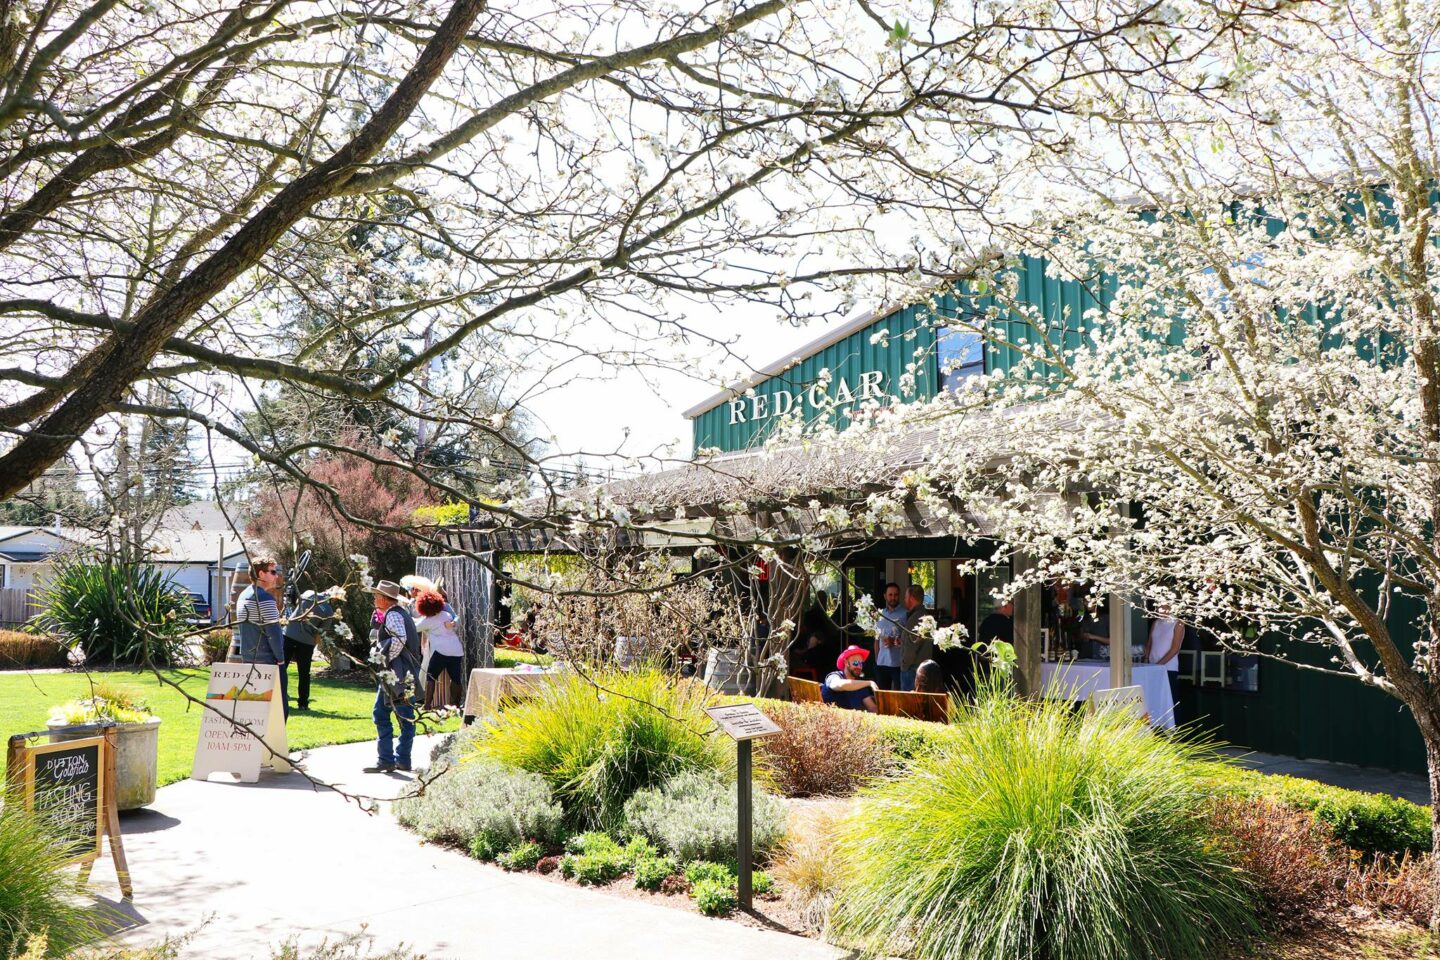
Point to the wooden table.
(489, 686)
(1080, 678)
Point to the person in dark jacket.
(395, 649)
(303, 622)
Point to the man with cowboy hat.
(844, 687)
(395, 648)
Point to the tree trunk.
(1432, 766)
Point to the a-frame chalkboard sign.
(72, 782)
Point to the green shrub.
(1373, 823)
(595, 868)
(35, 890)
(693, 817)
(640, 849)
(483, 846)
(652, 871)
(597, 740)
(474, 797)
(1045, 834)
(215, 644)
(593, 841)
(714, 898)
(761, 882)
(117, 612)
(703, 870)
(521, 856)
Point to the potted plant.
(137, 738)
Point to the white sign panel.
(243, 717)
(743, 721)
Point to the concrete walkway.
(1408, 786)
(278, 859)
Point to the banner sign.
(243, 727)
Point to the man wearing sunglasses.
(846, 687)
(257, 619)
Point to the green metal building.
(909, 354)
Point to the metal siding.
(847, 359)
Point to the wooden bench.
(803, 691)
(934, 707)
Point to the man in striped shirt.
(257, 619)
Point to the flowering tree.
(1243, 426)
(411, 205)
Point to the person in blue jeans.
(395, 648)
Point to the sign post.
(743, 723)
(72, 783)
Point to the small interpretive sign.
(743, 721)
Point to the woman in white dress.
(1166, 636)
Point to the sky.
(592, 415)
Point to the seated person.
(844, 687)
(929, 678)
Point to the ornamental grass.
(1043, 834)
(598, 738)
(36, 892)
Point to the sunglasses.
(856, 663)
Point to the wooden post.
(112, 816)
(1027, 631)
(1120, 633)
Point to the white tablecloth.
(489, 686)
(1079, 679)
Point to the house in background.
(193, 545)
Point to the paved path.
(1409, 786)
(277, 859)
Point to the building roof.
(200, 515)
(194, 546)
(166, 545)
(782, 488)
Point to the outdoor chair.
(1212, 668)
(934, 707)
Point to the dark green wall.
(746, 421)
(1300, 713)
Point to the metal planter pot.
(137, 758)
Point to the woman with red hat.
(845, 687)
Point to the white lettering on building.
(755, 407)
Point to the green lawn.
(339, 712)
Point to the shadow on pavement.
(145, 821)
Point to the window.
(923, 573)
(961, 353)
